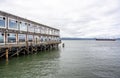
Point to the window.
(1, 37)
(2, 22)
(44, 38)
(42, 30)
(47, 30)
(37, 39)
(50, 31)
(31, 28)
(11, 37)
(23, 26)
(13, 24)
(41, 38)
(37, 29)
(21, 37)
(58, 38)
(49, 38)
(30, 38)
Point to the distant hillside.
(77, 38)
(118, 38)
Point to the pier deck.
(10, 50)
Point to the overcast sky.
(74, 18)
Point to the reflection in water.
(43, 64)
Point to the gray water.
(78, 59)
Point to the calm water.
(78, 59)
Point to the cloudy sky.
(74, 18)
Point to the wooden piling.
(63, 45)
(27, 46)
(6, 54)
(17, 52)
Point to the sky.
(74, 18)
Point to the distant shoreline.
(74, 39)
(77, 38)
(82, 39)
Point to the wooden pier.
(20, 36)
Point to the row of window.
(23, 26)
(22, 38)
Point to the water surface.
(78, 59)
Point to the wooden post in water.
(31, 47)
(17, 52)
(6, 53)
(63, 45)
(36, 40)
(27, 47)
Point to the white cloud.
(78, 18)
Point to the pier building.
(22, 36)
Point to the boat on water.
(105, 39)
